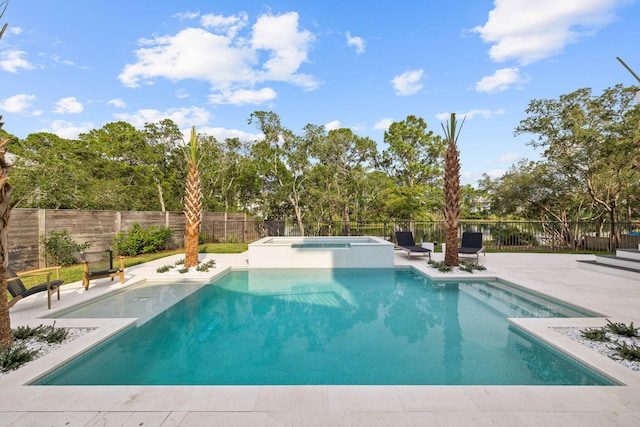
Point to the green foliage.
(140, 241)
(164, 268)
(595, 334)
(441, 266)
(12, 357)
(627, 351)
(60, 248)
(469, 267)
(622, 329)
(205, 266)
(183, 270)
(50, 334)
(512, 236)
(180, 262)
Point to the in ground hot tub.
(321, 252)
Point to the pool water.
(342, 326)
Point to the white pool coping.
(555, 275)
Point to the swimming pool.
(335, 326)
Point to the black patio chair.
(407, 243)
(18, 290)
(471, 245)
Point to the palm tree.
(6, 336)
(451, 190)
(192, 205)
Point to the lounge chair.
(18, 291)
(471, 245)
(98, 265)
(406, 242)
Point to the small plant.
(595, 334)
(622, 329)
(164, 268)
(183, 270)
(15, 356)
(627, 352)
(469, 267)
(59, 248)
(53, 335)
(180, 262)
(205, 266)
(26, 332)
(440, 266)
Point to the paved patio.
(556, 275)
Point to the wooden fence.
(28, 226)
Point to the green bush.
(140, 241)
(13, 357)
(512, 236)
(622, 329)
(60, 248)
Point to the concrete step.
(628, 253)
(619, 261)
(616, 270)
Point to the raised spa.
(321, 252)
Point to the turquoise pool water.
(345, 326)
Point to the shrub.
(512, 236)
(622, 329)
(628, 352)
(59, 248)
(15, 356)
(595, 334)
(140, 241)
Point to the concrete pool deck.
(556, 275)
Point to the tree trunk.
(6, 337)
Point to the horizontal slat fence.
(27, 226)
(100, 227)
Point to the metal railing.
(497, 235)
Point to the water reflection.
(326, 327)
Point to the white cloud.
(118, 103)
(527, 31)
(17, 103)
(68, 105)
(356, 42)
(222, 134)
(228, 25)
(501, 80)
(408, 83)
(243, 96)
(182, 16)
(383, 124)
(509, 157)
(183, 117)
(14, 30)
(496, 173)
(469, 115)
(68, 130)
(273, 51)
(12, 60)
(332, 125)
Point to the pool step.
(625, 263)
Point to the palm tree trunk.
(451, 191)
(6, 337)
(192, 207)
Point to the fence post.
(42, 231)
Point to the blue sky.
(67, 67)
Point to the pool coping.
(257, 404)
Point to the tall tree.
(344, 159)
(592, 139)
(6, 337)
(451, 189)
(414, 161)
(192, 204)
(283, 160)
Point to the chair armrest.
(41, 271)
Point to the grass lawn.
(73, 273)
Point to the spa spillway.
(321, 252)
